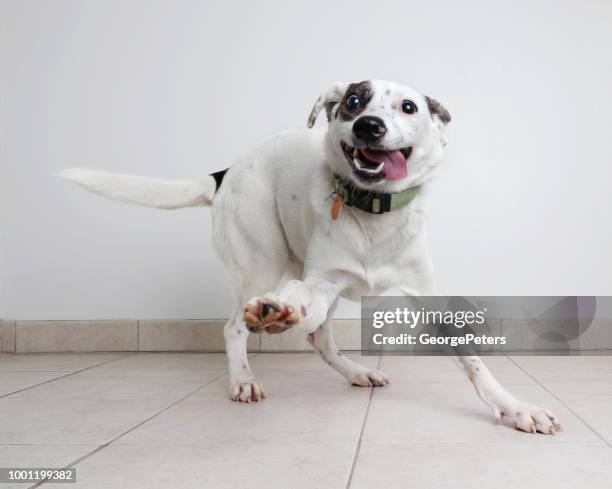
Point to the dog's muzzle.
(369, 129)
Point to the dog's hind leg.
(254, 250)
(243, 386)
(322, 340)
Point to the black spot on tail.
(218, 176)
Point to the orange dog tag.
(336, 207)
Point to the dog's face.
(382, 135)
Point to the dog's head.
(382, 135)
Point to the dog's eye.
(409, 107)
(353, 102)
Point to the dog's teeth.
(372, 171)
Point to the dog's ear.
(436, 109)
(327, 99)
(440, 118)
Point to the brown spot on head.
(363, 90)
(437, 109)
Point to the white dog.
(341, 210)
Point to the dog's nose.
(369, 128)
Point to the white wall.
(175, 89)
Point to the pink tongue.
(396, 166)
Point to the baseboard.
(187, 335)
(7, 336)
(206, 335)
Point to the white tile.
(583, 383)
(14, 381)
(44, 456)
(186, 335)
(53, 362)
(577, 367)
(204, 421)
(70, 421)
(282, 362)
(402, 370)
(76, 336)
(452, 412)
(172, 361)
(115, 383)
(595, 410)
(226, 466)
(571, 377)
(479, 465)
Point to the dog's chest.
(386, 251)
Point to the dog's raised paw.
(270, 315)
(530, 419)
(250, 391)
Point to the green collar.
(372, 202)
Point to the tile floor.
(162, 420)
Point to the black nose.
(369, 128)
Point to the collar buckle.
(381, 203)
(372, 202)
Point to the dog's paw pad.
(269, 314)
(531, 419)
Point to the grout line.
(363, 425)
(602, 438)
(106, 444)
(63, 376)
(138, 335)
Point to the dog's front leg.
(300, 303)
(310, 305)
(522, 415)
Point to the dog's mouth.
(375, 164)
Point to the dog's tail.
(150, 192)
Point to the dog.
(339, 209)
